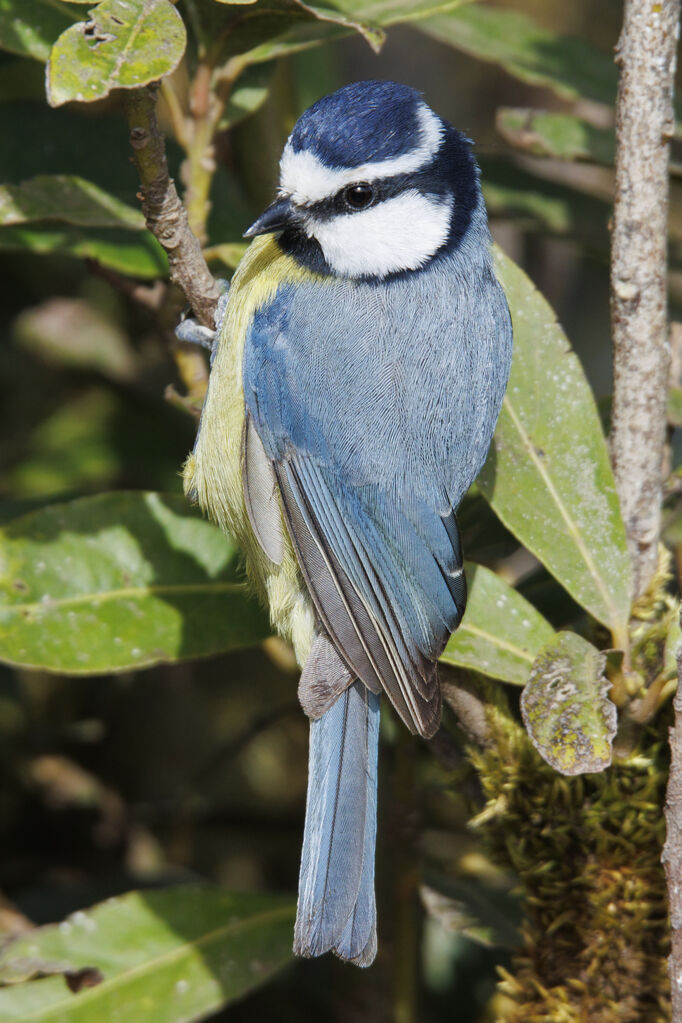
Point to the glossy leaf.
(29, 27)
(501, 633)
(165, 956)
(125, 44)
(137, 254)
(257, 34)
(117, 581)
(561, 136)
(337, 15)
(67, 198)
(566, 709)
(567, 65)
(548, 474)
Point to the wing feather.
(260, 494)
(351, 602)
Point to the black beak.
(276, 217)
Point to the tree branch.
(672, 850)
(644, 125)
(164, 212)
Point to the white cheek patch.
(307, 180)
(397, 234)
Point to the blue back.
(383, 397)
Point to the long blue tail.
(336, 908)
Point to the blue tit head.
(372, 184)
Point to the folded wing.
(386, 582)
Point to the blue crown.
(360, 123)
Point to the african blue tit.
(357, 377)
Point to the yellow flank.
(213, 473)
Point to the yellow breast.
(213, 474)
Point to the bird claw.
(193, 332)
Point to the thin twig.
(644, 126)
(165, 214)
(672, 850)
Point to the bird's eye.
(358, 197)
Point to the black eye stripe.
(383, 188)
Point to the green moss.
(586, 851)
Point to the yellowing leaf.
(565, 706)
(124, 45)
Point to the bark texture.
(672, 851)
(164, 212)
(644, 124)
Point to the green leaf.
(276, 28)
(501, 633)
(566, 709)
(163, 956)
(124, 45)
(548, 474)
(136, 254)
(568, 66)
(337, 15)
(29, 27)
(561, 136)
(66, 198)
(118, 581)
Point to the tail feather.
(336, 908)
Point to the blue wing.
(376, 411)
(385, 596)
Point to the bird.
(357, 374)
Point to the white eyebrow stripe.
(307, 180)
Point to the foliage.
(104, 568)
(124, 956)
